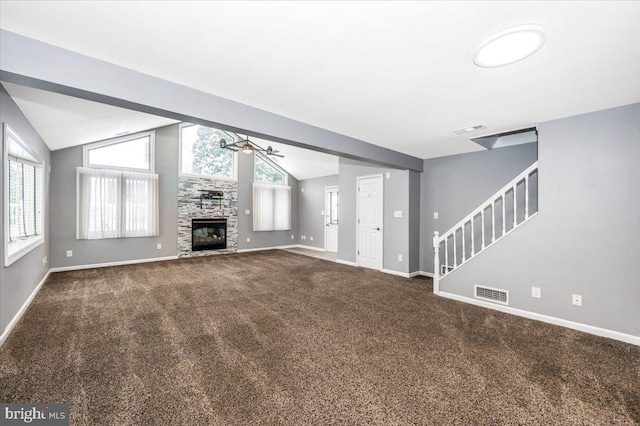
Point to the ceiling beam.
(36, 64)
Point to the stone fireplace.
(193, 210)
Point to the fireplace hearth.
(208, 234)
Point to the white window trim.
(152, 151)
(235, 138)
(273, 164)
(22, 247)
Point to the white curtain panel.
(140, 204)
(114, 204)
(271, 207)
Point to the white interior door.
(370, 207)
(331, 219)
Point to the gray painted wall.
(18, 281)
(245, 202)
(84, 77)
(586, 237)
(310, 205)
(414, 221)
(396, 197)
(87, 252)
(455, 185)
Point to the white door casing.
(369, 222)
(331, 219)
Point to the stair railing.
(460, 243)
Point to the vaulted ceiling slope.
(395, 74)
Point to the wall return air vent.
(491, 294)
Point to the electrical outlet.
(69, 253)
(248, 240)
(535, 292)
(159, 246)
(576, 299)
(247, 212)
(44, 261)
(435, 215)
(399, 258)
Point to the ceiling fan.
(248, 147)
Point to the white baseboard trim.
(426, 274)
(346, 262)
(310, 248)
(401, 274)
(603, 332)
(23, 309)
(267, 248)
(105, 265)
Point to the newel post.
(436, 262)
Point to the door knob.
(378, 228)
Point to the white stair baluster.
(473, 244)
(493, 221)
(482, 232)
(504, 215)
(526, 197)
(515, 206)
(464, 251)
(446, 255)
(436, 262)
(455, 257)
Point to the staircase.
(507, 209)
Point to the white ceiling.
(64, 121)
(301, 163)
(396, 74)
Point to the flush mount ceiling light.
(509, 46)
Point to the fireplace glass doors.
(208, 234)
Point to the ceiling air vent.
(490, 294)
(469, 129)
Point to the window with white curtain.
(271, 207)
(116, 204)
(23, 198)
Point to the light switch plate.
(247, 212)
(435, 215)
(388, 175)
(397, 213)
(321, 212)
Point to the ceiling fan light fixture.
(247, 148)
(509, 46)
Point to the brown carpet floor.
(279, 338)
